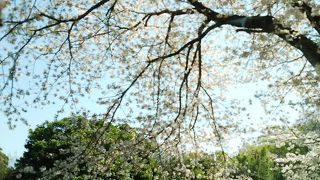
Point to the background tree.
(300, 156)
(256, 162)
(63, 149)
(191, 165)
(3, 164)
(60, 149)
(165, 63)
(282, 153)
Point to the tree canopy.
(60, 149)
(299, 155)
(3, 164)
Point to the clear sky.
(12, 141)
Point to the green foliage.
(91, 149)
(3, 164)
(312, 125)
(255, 162)
(259, 161)
(198, 165)
(299, 155)
(201, 165)
(57, 142)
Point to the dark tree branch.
(166, 11)
(75, 19)
(309, 48)
(267, 24)
(187, 44)
(81, 16)
(314, 20)
(264, 23)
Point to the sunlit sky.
(12, 141)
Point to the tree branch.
(314, 20)
(267, 24)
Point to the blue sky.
(12, 141)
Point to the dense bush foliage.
(55, 146)
(63, 150)
(3, 164)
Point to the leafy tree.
(282, 153)
(189, 166)
(192, 165)
(3, 164)
(309, 125)
(203, 165)
(53, 145)
(300, 149)
(255, 162)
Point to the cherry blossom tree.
(165, 63)
(59, 150)
(301, 160)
